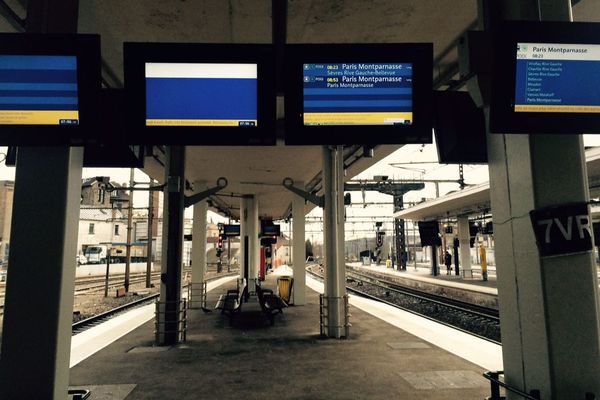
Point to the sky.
(360, 221)
(362, 214)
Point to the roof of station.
(476, 200)
(259, 171)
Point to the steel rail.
(379, 299)
(82, 325)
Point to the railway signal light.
(380, 235)
(347, 199)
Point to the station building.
(271, 164)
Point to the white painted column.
(38, 308)
(245, 229)
(548, 306)
(333, 217)
(249, 228)
(198, 253)
(255, 242)
(299, 248)
(464, 247)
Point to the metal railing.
(196, 297)
(79, 394)
(324, 315)
(496, 384)
(174, 316)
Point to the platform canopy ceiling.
(259, 171)
(476, 199)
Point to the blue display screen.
(557, 78)
(186, 94)
(358, 94)
(38, 90)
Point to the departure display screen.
(560, 78)
(38, 90)
(201, 94)
(358, 94)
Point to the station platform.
(473, 290)
(389, 354)
(423, 272)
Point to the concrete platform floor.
(253, 360)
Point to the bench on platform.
(270, 303)
(231, 302)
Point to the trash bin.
(284, 287)
(388, 263)
(366, 261)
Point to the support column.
(150, 237)
(251, 264)
(464, 246)
(129, 230)
(170, 288)
(434, 264)
(249, 229)
(549, 306)
(198, 254)
(244, 203)
(400, 233)
(299, 249)
(455, 247)
(254, 242)
(36, 352)
(333, 233)
(34, 363)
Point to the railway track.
(97, 284)
(87, 323)
(114, 281)
(476, 320)
(86, 285)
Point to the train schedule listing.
(557, 78)
(358, 94)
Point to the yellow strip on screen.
(36, 117)
(561, 109)
(195, 122)
(357, 118)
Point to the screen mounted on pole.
(429, 233)
(554, 77)
(358, 94)
(49, 89)
(200, 94)
(38, 90)
(545, 78)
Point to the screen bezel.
(231, 230)
(86, 48)
(459, 129)
(503, 118)
(271, 230)
(427, 227)
(419, 54)
(137, 54)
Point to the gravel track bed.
(474, 324)
(90, 304)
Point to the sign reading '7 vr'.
(563, 229)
